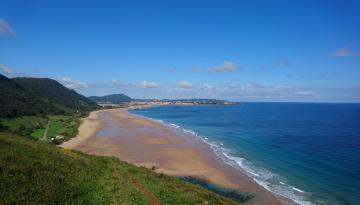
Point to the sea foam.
(265, 178)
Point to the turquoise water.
(309, 153)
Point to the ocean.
(306, 152)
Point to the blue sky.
(236, 50)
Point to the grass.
(30, 126)
(34, 126)
(35, 172)
(63, 125)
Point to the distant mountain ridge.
(39, 96)
(114, 98)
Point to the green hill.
(34, 172)
(15, 100)
(54, 93)
(115, 98)
(39, 96)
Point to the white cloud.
(184, 84)
(308, 93)
(5, 69)
(72, 84)
(253, 91)
(272, 93)
(207, 86)
(5, 28)
(258, 92)
(10, 72)
(226, 67)
(258, 85)
(344, 52)
(146, 84)
(116, 82)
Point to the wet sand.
(147, 143)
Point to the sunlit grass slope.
(34, 172)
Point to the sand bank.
(88, 128)
(147, 143)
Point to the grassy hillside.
(34, 172)
(64, 100)
(115, 98)
(15, 100)
(34, 126)
(41, 97)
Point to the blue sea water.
(307, 152)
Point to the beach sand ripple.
(144, 142)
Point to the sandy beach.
(147, 143)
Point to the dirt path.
(144, 190)
(46, 131)
(140, 187)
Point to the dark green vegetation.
(115, 99)
(34, 126)
(16, 100)
(34, 172)
(112, 106)
(40, 97)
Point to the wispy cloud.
(116, 82)
(5, 28)
(225, 67)
(253, 91)
(259, 92)
(11, 72)
(306, 93)
(184, 84)
(146, 84)
(258, 85)
(6, 70)
(72, 84)
(345, 52)
(207, 86)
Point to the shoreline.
(117, 133)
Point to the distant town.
(137, 103)
(122, 100)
